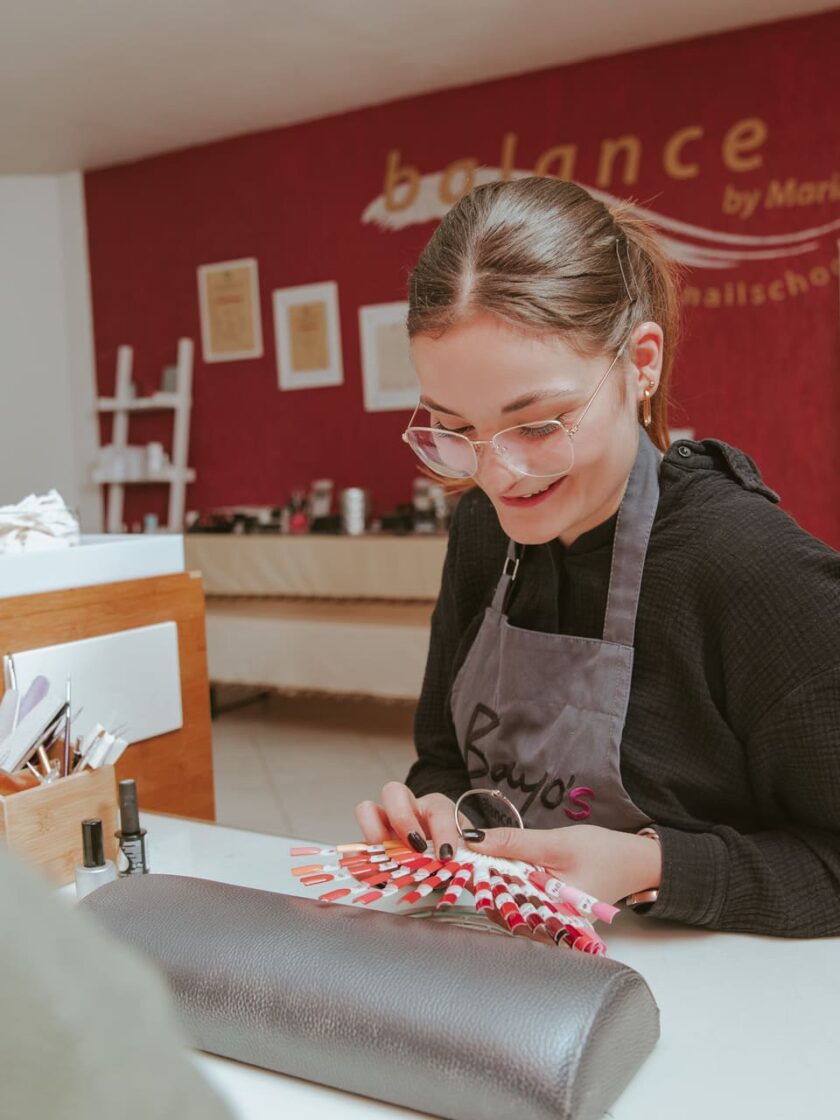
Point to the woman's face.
(482, 376)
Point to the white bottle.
(154, 458)
(96, 870)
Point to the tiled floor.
(299, 766)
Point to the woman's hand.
(607, 864)
(414, 820)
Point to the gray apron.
(540, 716)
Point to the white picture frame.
(240, 326)
(384, 338)
(307, 331)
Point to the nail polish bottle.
(96, 869)
(131, 837)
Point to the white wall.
(48, 432)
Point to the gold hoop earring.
(647, 412)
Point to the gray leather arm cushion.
(446, 1020)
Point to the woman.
(639, 650)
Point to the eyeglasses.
(541, 449)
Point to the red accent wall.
(765, 375)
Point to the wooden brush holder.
(43, 826)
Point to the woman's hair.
(544, 255)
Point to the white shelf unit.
(176, 474)
(139, 404)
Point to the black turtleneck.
(732, 738)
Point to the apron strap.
(505, 584)
(632, 533)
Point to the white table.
(748, 1023)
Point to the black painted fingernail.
(417, 842)
(475, 835)
(446, 851)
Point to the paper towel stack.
(39, 523)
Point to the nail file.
(33, 696)
(8, 714)
(22, 742)
(116, 752)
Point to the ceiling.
(91, 83)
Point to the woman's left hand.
(607, 864)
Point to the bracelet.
(641, 901)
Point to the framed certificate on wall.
(308, 334)
(229, 306)
(389, 380)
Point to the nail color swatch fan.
(519, 897)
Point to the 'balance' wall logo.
(410, 197)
